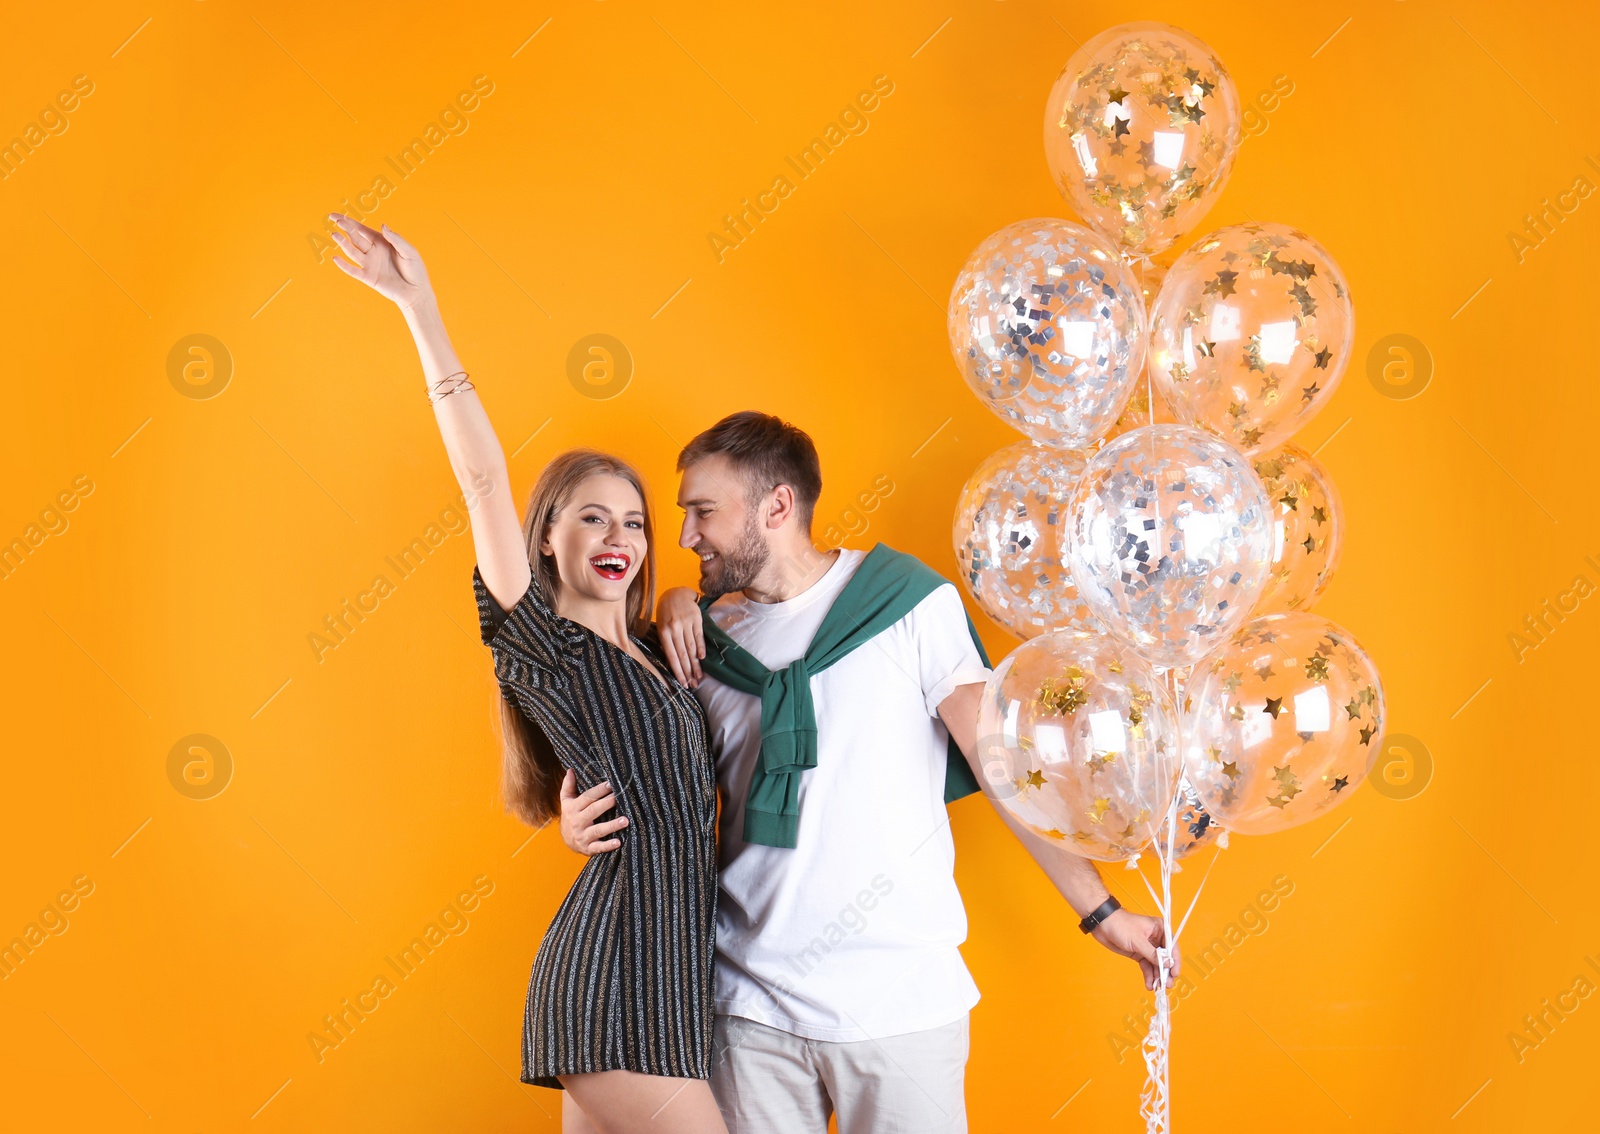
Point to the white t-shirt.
(852, 934)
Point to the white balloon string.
(1155, 1103)
(1154, 897)
(1149, 393)
(1196, 897)
(1149, 389)
(1154, 1098)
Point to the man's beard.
(737, 567)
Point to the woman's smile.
(611, 565)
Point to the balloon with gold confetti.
(1283, 723)
(1140, 131)
(1251, 333)
(1170, 541)
(1078, 738)
(1307, 528)
(1047, 327)
(1010, 539)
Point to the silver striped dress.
(623, 979)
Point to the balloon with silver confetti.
(1010, 539)
(1078, 740)
(1282, 723)
(1047, 326)
(1141, 130)
(1251, 332)
(1196, 827)
(1170, 541)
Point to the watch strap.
(1101, 912)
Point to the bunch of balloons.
(1158, 539)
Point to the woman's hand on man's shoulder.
(682, 633)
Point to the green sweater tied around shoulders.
(886, 587)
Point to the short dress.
(623, 979)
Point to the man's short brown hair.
(767, 451)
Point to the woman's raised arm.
(391, 266)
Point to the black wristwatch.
(1105, 910)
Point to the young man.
(833, 684)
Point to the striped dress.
(623, 977)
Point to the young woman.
(619, 1009)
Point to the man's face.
(721, 526)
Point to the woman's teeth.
(610, 566)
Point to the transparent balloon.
(1251, 332)
(1282, 723)
(1307, 528)
(1078, 740)
(1139, 412)
(1151, 276)
(1170, 541)
(1141, 130)
(1047, 327)
(1010, 539)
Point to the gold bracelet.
(457, 381)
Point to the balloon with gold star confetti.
(1078, 738)
(1251, 332)
(1010, 539)
(1170, 541)
(1307, 528)
(1140, 131)
(1047, 327)
(1283, 723)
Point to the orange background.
(220, 532)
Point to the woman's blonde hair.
(531, 773)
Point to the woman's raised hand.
(382, 260)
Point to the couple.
(804, 964)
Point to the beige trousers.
(768, 1081)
